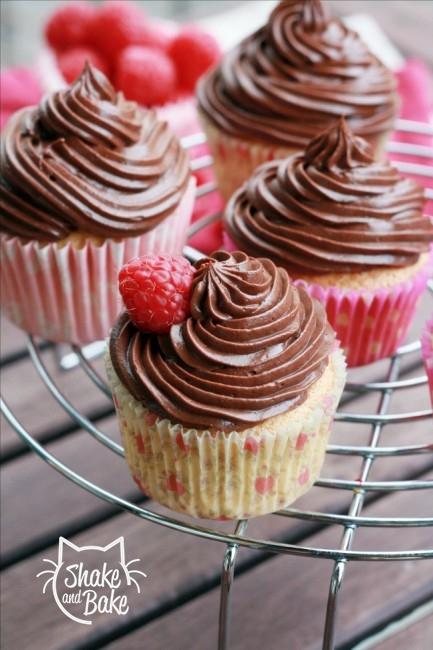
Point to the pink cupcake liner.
(69, 293)
(427, 353)
(370, 324)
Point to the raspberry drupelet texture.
(156, 291)
(70, 26)
(193, 53)
(146, 75)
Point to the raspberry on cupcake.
(89, 180)
(227, 412)
(287, 82)
(348, 228)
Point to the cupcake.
(427, 353)
(284, 84)
(349, 229)
(228, 414)
(89, 180)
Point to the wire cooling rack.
(71, 356)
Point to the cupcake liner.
(427, 353)
(69, 293)
(229, 475)
(235, 160)
(371, 324)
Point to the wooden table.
(278, 601)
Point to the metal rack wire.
(359, 487)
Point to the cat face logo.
(82, 592)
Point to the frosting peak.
(293, 77)
(91, 110)
(338, 148)
(331, 209)
(252, 347)
(311, 15)
(88, 160)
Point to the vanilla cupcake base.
(235, 159)
(67, 291)
(231, 475)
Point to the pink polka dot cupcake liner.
(371, 324)
(229, 475)
(68, 293)
(427, 353)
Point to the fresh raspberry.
(71, 63)
(156, 291)
(193, 53)
(116, 25)
(70, 26)
(153, 36)
(145, 75)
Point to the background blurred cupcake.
(89, 180)
(227, 413)
(427, 353)
(284, 84)
(349, 228)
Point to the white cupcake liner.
(69, 292)
(229, 475)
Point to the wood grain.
(417, 636)
(280, 604)
(178, 564)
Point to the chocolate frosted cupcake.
(349, 228)
(284, 84)
(228, 415)
(89, 180)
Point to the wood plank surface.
(27, 519)
(178, 564)
(417, 636)
(30, 400)
(280, 604)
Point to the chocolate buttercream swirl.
(290, 79)
(88, 160)
(331, 209)
(252, 347)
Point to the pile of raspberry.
(146, 61)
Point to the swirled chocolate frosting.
(88, 160)
(331, 209)
(290, 79)
(252, 347)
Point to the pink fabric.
(19, 87)
(427, 353)
(415, 86)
